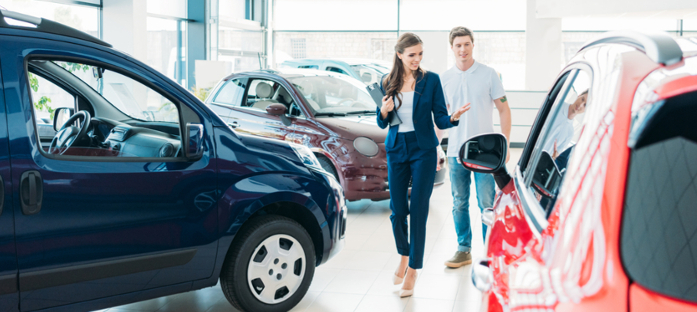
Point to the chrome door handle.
(482, 277)
(234, 124)
(488, 216)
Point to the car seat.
(264, 92)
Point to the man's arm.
(505, 117)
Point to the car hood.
(353, 126)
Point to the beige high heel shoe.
(398, 280)
(408, 292)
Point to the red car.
(601, 211)
(332, 114)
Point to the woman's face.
(411, 58)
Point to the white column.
(543, 59)
(125, 26)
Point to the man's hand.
(555, 154)
(458, 113)
(387, 106)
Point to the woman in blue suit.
(411, 150)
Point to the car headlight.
(366, 146)
(306, 156)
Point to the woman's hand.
(456, 115)
(387, 106)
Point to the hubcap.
(276, 269)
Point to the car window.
(658, 233)
(47, 97)
(329, 96)
(336, 70)
(264, 92)
(128, 118)
(309, 66)
(559, 135)
(231, 93)
(368, 75)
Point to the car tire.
(328, 166)
(287, 272)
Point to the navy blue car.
(118, 185)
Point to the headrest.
(264, 90)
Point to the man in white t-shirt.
(479, 85)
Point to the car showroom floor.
(359, 278)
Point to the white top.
(405, 111)
(562, 132)
(480, 86)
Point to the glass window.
(81, 17)
(474, 14)
(336, 15)
(231, 93)
(166, 46)
(330, 96)
(263, 93)
(560, 133)
(128, 118)
(369, 74)
(174, 8)
(47, 97)
(336, 70)
(658, 241)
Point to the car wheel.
(270, 267)
(328, 167)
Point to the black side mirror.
(61, 115)
(547, 176)
(486, 153)
(193, 141)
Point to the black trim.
(8, 284)
(105, 269)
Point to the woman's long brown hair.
(395, 79)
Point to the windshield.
(329, 96)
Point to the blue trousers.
(404, 162)
(460, 180)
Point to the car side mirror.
(546, 178)
(486, 153)
(279, 110)
(193, 141)
(60, 116)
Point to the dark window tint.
(336, 70)
(659, 241)
(230, 93)
(309, 66)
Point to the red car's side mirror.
(276, 109)
(486, 153)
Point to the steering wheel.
(68, 134)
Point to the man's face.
(462, 47)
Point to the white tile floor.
(359, 278)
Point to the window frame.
(532, 152)
(145, 82)
(243, 80)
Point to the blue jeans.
(460, 179)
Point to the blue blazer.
(429, 102)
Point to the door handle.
(482, 277)
(31, 192)
(234, 124)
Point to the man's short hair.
(460, 31)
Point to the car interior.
(268, 92)
(107, 123)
